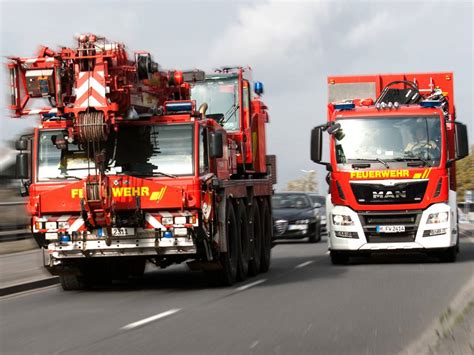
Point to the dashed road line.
(254, 344)
(150, 319)
(306, 263)
(252, 284)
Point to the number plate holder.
(123, 232)
(390, 229)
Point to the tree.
(306, 183)
(465, 174)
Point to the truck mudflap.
(356, 233)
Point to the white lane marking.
(150, 319)
(306, 263)
(252, 284)
(254, 344)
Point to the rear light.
(167, 220)
(181, 232)
(180, 220)
(51, 225)
(63, 225)
(51, 236)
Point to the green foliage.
(306, 183)
(465, 174)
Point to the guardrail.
(11, 232)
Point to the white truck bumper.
(364, 238)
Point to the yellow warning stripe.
(426, 173)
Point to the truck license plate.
(120, 232)
(390, 229)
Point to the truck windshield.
(133, 150)
(222, 98)
(385, 139)
(56, 163)
(152, 150)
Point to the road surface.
(302, 305)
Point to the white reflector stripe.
(154, 222)
(78, 223)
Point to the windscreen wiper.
(62, 177)
(413, 160)
(154, 173)
(411, 157)
(230, 112)
(373, 160)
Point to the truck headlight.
(440, 217)
(167, 220)
(342, 220)
(63, 225)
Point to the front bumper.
(144, 243)
(365, 237)
(294, 231)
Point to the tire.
(316, 236)
(244, 241)
(229, 260)
(338, 258)
(449, 255)
(267, 228)
(255, 239)
(137, 268)
(71, 282)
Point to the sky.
(292, 46)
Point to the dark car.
(295, 217)
(321, 201)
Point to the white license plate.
(390, 229)
(120, 232)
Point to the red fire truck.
(393, 144)
(132, 163)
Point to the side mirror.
(216, 146)
(21, 144)
(316, 144)
(22, 166)
(462, 145)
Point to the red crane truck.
(393, 144)
(131, 163)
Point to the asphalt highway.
(302, 305)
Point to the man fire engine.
(132, 163)
(393, 145)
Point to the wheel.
(338, 258)
(244, 241)
(449, 255)
(137, 268)
(267, 229)
(71, 282)
(316, 236)
(229, 259)
(255, 239)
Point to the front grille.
(409, 219)
(379, 194)
(280, 226)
